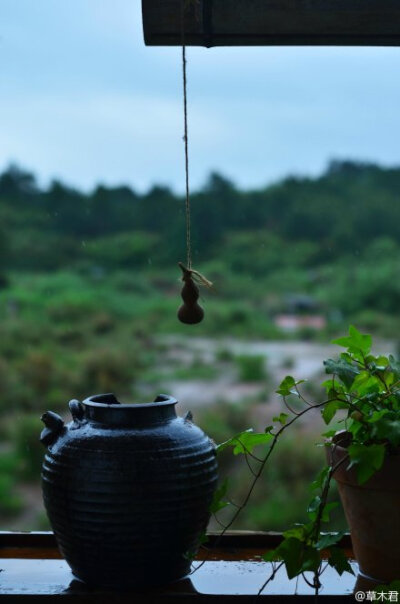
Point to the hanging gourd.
(190, 312)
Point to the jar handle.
(188, 417)
(54, 427)
(77, 410)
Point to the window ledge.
(33, 571)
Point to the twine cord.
(186, 142)
(188, 271)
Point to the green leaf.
(330, 409)
(367, 459)
(314, 505)
(191, 554)
(329, 433)
(217, 502)
(337, 559)
(319, 482)
(394, 365)
(271, 556)
(244, 442)
(312, 513)
(299, 532)
(381, 363)
(387, 429)
(328, 539)
(389, 378)
(377, 415)
(355, 341)
(297, 557)
(281, 418)
(355, 428)
(345, 371)
(287, 386)
(365, 383)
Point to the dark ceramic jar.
(127, 489)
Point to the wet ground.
(302, 360)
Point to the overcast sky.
(82, 99)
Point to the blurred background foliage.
(89, 288)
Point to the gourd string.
(190, 312)
(186, 142)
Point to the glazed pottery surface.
(372, 513)
(127, 489)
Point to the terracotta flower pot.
(127, 489)
(372, 511)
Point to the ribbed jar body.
(127, 489)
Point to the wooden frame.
(272, 22)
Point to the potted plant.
(363, 395)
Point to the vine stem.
(270, 578)
(321, 507)
(259, 472)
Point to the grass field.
(66, 336)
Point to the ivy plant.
(363, 394)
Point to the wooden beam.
(272, 22)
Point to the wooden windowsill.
(33, 571)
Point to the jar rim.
(109, 400)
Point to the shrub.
(224, 355)
(196, 371)
(284, 491)
(37, 371)
(223, 419)
(10, 502)
(102, 322)
(288, 363)
(251, 368)
(29, 451)
(106, 370)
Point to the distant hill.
(341, 212)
